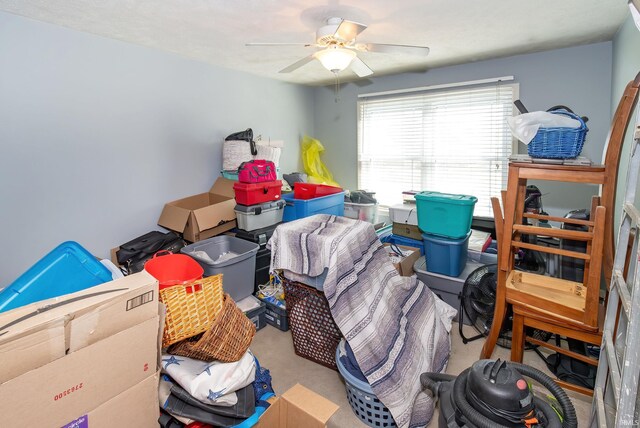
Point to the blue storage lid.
(447, 241)
(446, 198)
(68, 268)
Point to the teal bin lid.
(446, 198)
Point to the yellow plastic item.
(317, 172)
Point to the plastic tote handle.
(162, 253)
(267, 171)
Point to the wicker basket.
(315, 333)
(191, 308)
(559, 143)
(227, 340)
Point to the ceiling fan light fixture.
(334, 58)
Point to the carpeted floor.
(274, 350)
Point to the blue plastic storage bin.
(401, 240)
(445, 214)
(68, 268)
(300, 208)
(445, 256)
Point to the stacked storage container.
(309, 199)
(445, 220)
(404, 218)
(257, 195)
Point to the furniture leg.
(517, 338)
(499, 313)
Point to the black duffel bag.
(133, 255)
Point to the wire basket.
(364, 403)
(559, 143)
(191, 308)
(227, 340)
(315, 333)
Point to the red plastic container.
(310, 190)
(173, 269)
(257, 193)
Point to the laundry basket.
(363, 401)
(559, 143)
(314, 332)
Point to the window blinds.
(452, 141)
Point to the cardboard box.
(407, 230)
(37, 334)
(135, 407)
(203, 215)
(298, 407)
(404, 265)
(68, 388)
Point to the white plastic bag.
(525, 126)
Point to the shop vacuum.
(495, 394)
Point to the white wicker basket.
(234, 152)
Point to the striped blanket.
(395, 325)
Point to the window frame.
(454, 87)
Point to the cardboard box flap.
(174, 217)
(307, 401)
(71, 305)
(214, 215)
(223, 187)
(32, 350)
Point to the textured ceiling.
(215, 31)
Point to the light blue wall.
(578, 77)
(626, 65)
(96, 135)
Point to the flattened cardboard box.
(61, 391)
(203, 215)
(136, 407)
(405, 266)
(298, 407)
(37, 334)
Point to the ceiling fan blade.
(360, 68)
(388, 48)
(348, 30)
(306, 45)
(297, 64)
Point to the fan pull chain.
(337, 87)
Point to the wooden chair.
(605, 175)
(562, 307)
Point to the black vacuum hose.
(459, 395)
(570, 419)
(549, 412)
(432, 381)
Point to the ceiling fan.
(339, 48)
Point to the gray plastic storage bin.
(233, 257)
(447, 288)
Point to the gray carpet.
(274, 350)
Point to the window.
(452, 141)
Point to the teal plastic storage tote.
(445, 214)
